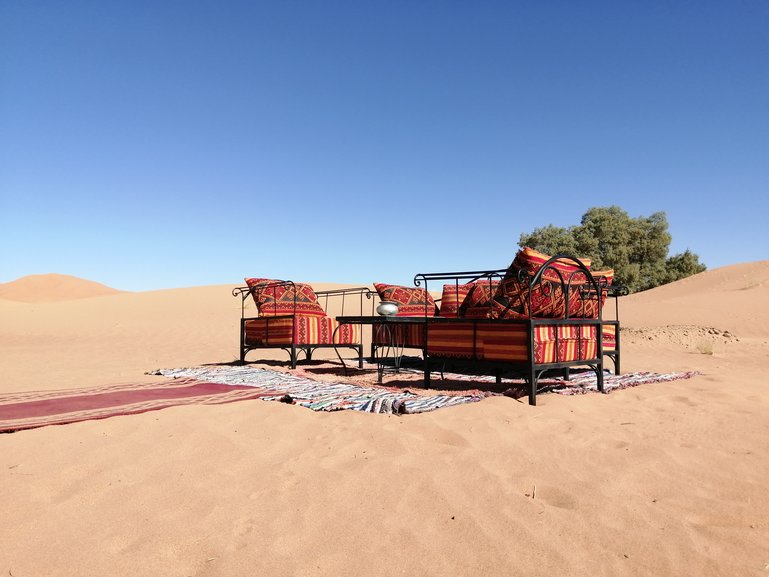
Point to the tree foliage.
(636, 248)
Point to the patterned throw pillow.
(453, 298)
(547, 298)
(412, 301)
(274, 297)
(478, 303)
(530, 261)
(586, 306)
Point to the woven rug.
(226, 384)
(324, 396)
(36, 409)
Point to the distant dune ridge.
(52, 287)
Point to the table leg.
(385, 334)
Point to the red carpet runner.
(30, 410)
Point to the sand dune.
(52, 288)
(729, 298)
(659, 480)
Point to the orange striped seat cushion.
(558, 344)
(409, 336)
(299, 330)
(609, 337)
(509, 342)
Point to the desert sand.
(662, 479)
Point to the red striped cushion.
(299, 330)
(452, 339)
(453, 297)
(558, 344)
(609, 337)
(410, 336)
(530, 261)
(509, 342)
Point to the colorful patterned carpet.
(227, 384)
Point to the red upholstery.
(412, 301)
(453, 298)
(273, 299)
(299, 330)
(478, 303)
(530, 261)
(588, 308)
(547, 298)
(509, 341)
(609, 337)
(409, 336)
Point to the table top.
(380, 319)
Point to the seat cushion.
(412, 301)
(299, 330)
(398, 335)
(274, 298)
(465, 339)
(558, 344)
(508, 342)
(609, 337)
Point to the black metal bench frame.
(530, 370)
(294, 349)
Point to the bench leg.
(532, 387)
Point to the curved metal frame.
(531, 370)
(466, 276)
(293, 349)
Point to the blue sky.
(153, 145)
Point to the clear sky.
(159, 144)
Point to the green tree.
(683, 265)
(551, 240)
(636, 248)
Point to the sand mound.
(646, 481)
(694, 338)
(51, 288)
(731, 298)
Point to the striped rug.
(227, 384)
(323, 396)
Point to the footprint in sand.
(556, 498)
(447, 437)
(241, 530)
(685, 400)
